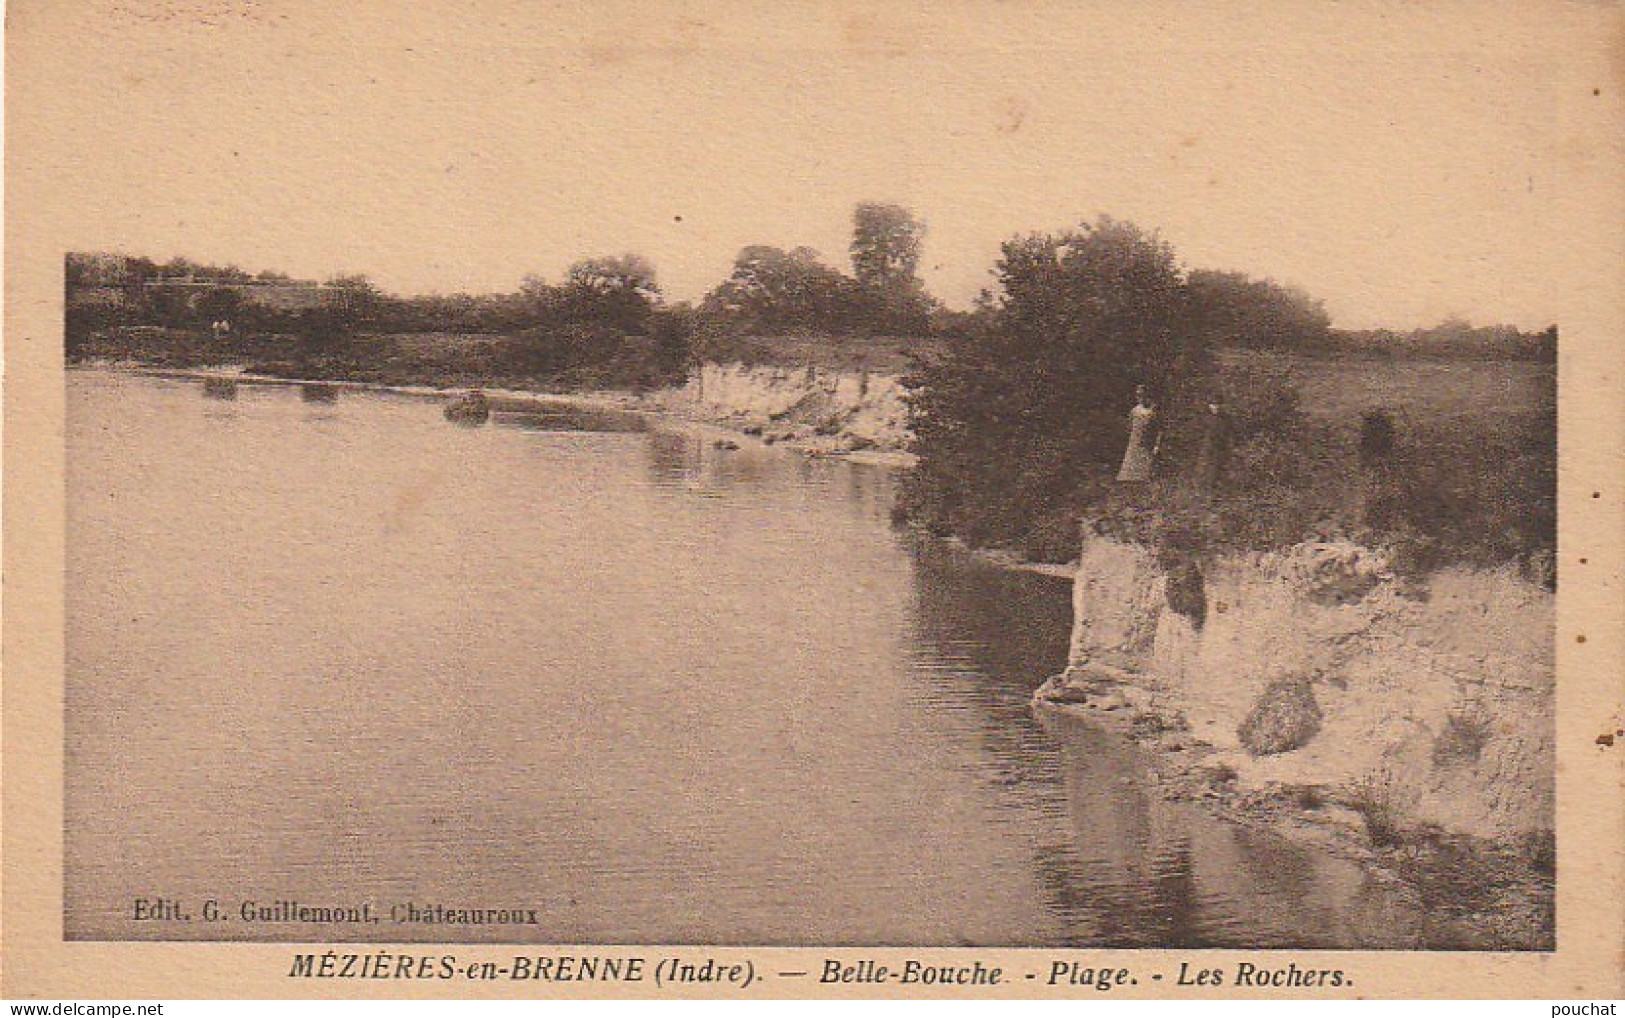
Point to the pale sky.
(1390, 159)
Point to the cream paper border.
(1587, 211)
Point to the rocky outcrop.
(1318, 667)
(834, 411)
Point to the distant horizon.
(323, 279)
(1394, 162)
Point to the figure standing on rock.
(1141, 454)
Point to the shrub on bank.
(1374, 798)
(1462, 739)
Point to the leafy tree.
(772, 290)
(1454, 339)
(620, 291)
(179, 266)
(1019, 427)
(1235, 309)
(672, 332)
(457, 312)
(886, 242)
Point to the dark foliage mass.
(605, 324)
(1020, 428)
(775, 292)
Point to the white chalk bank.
(1441, 701)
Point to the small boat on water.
(470, 408)
(318, 392)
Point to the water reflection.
(675, 457)
(318, 392)
(535, 416)
(689, 460)
(1120, 865)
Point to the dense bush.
(1237, 310)
(1020, 427)
(1469, 495)
(1018, 430)
(1019, 409)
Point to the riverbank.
(1314, 693)
(1478, 893)
(822, 411)
(819, 414)
(640, 617)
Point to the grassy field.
(1486, 397)
(461, 353)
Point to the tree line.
(1018, 407)
(769, 291)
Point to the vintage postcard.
(1099, 499)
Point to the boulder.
(1285, 717)
(469, 408)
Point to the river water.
(627, 686)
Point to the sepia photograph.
(1061, 478)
